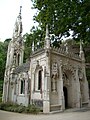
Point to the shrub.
(13, 107)
(0, 99)
(32, 109)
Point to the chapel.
(53, 79)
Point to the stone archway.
(68, 88)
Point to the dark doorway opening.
(65, 96)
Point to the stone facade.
(53, 79)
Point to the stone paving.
(70, 115)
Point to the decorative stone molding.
(69, 67)
(38, 66)
(12, 83)
(36, 73)
(66, 81)
(64, 52)
(80, 74)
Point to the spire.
(20, 12)
(18, 25)
(81, 54)
(47, 38)
(20, 9)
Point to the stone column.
(21, 56)
(7, 62)
(84, 79)
(8, 55)
(78, 92)
(47, 38)
(54, 84)
(8, 90)
(85, 85)
(60, 87)
(47, 85)
(46, 101)
(11, 55)
(4, 90)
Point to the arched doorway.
(65, 96)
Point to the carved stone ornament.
(55, 70)
(65, 79)
(11, 82)
(38, 66)
(69, 67)
(80, 74)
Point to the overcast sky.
(9, 10)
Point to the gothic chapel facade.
(53, 79)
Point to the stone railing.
(63, 51)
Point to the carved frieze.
(70, 68)
(65, 79)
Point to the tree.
(3, 54)
(64, 16)
(2, 60)
(36, 36)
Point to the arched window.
(18, 59)
(39, 79)
(22, 87)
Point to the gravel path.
(80, 115)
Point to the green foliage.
(1, 90)
(32, 109)
(35, 36)
(2, 67)
(3, 54)
(64, 15)
(2, 60)
(13, 107)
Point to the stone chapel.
(53, 79)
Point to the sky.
(9, 10)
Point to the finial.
(81, 49)
(66, 45)
(20, 10)
(47, 39)
(81, 54)
(33, 46)
(47, 31)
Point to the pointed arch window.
(39, 79)
(22, 91)
(18, 58)
(14, 58)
